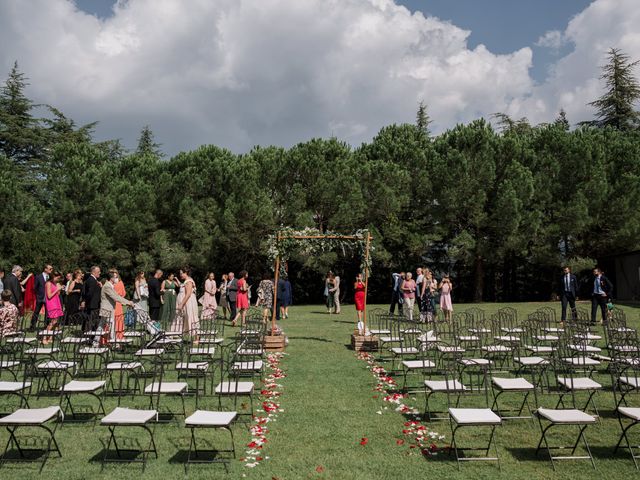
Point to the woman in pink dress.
(359, 297)
(445, 297)
(186, 319)
(53, 303)
(208, 300)
(408, 288)
(242, 298)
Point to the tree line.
(499, 208)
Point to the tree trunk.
(479, 279)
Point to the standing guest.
(186, 319)
(265, 296)
(155, 296)
(409, 294)
(359, 299)
(428, 296)
(8, 315)
(141, 292)
(419, 280)
(209, 304)
(446, 304)
(232, 294)
(242, 299)
(28, 294)
(336, 293)
(168, 289)
(287, 298)
(396, 293)
(568, 293)
(224, 302)
(109, 299)
(91, 298)
(39, 284)
(328, 292)
(1, 280)
(53, 304)
(118, 313)
(12, 283)
(68, 278)
(601, 291)
(74, 295)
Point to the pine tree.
(422, 118)
(21, 137)
(562, 121)
(147, 144)
(616, 107)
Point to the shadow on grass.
(315, 339)
(345, 321)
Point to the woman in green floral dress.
(168, 290)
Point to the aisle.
(329, 404)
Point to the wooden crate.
(274, 343)
(360, 343)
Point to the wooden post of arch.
(366, 283)
(275, 291)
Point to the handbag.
(130, 318)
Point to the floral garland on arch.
(329, 241)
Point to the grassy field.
(329, 406)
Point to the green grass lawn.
(329, 405)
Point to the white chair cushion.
(78, 386)
(474, 416)
(149, 352)
(203, 366)
(202, 350)
(166, 387)
(247, 366)
(512, 329)
(123, 365)
(389, 339)
(585, 348)
(377, 331)
(93, 351)
(11, 387)
(568, 416)
(203, 418)
(31, 416)
(631, 412)
(55, 365)
(250, 351)
(496, 349)
(234, 387)
(507, 338)
(418, 364)
(512, 383)
(547, 338)
(129, 416)
(581, 383)
(584, 361)
(42, 351)
(539, 348)
(468, 338)
(531, 361)
(445, 385)
(469, 362)
(9, 363)
(404, 350)
(631, 381)
(450, 349)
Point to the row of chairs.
(67, 363)
(488, 359)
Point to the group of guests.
(600, 288)
(422, 291)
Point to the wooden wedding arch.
(311, 240)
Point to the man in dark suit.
(568, 293)
(12, 283)
(38, 285)
(601, 289)
(91, 299)
(154, 296)
(232, 293)
(396, 294)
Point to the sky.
(262, 72)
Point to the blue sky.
(501, 25)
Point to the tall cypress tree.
(422, 118)
(616, 108)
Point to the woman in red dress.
(359, 296)
(242, 298)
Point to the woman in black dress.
(74, 297)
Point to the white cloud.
(552, 39)
(282, 71)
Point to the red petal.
(319, 469)
(400, 441)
